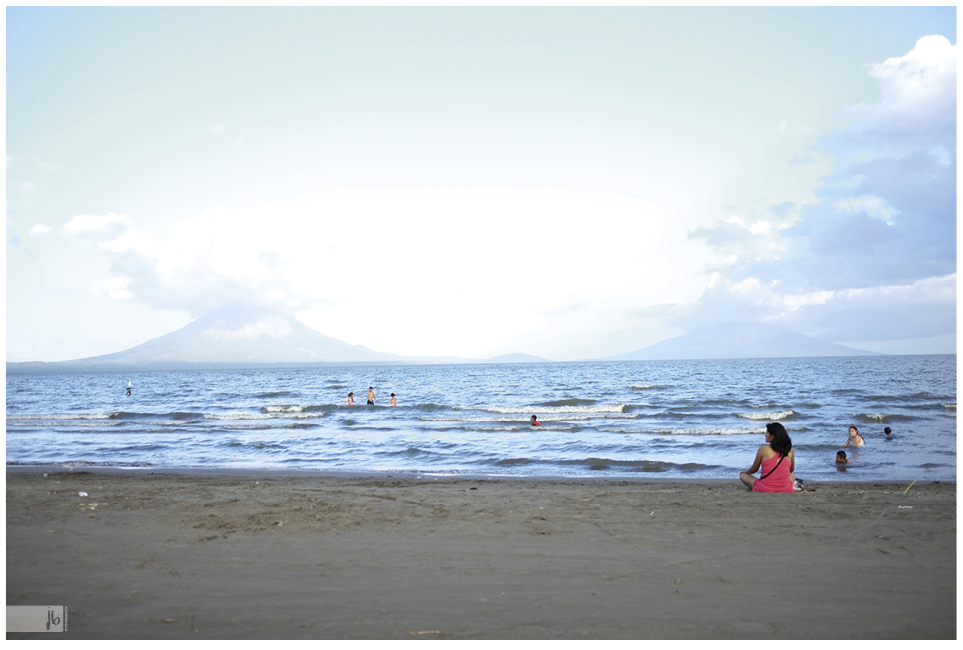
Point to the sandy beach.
(297, 556)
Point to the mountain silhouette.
(740, 341)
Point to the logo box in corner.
(36, 618)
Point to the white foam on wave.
(283, 409)
(236, 416)
(771, 415)
(949, 406)
(23, 422)
(70, 416)
(680, 431)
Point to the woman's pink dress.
(777, 481)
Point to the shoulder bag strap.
(774, 468)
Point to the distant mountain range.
(245, 335)
(740, 341)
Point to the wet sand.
(296, 556)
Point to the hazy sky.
(566, 182)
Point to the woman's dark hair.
(781, 444)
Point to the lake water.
(670, 419)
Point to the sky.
(565, 182)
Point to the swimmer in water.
(128, 387)
(535, 422)
(370, 395)
(394, 402)
(854, 438)
(841, 458)
(350, 401)
(889, 433)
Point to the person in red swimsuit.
(535, 422)
(777, 460)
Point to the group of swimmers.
(777, 460)
(371, 398)
(857, 441)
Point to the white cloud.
(872, 206)
(114, 288)
(84, 224)
(837, 271)
(463, 257)
(131, 240)
(942, 155)
(40, 230)
(217, 129)
(921, 84)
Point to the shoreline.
(425, 475)
(208, 555)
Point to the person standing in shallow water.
(394, 401)
(370, 395)
(777, 460)
(350, 401)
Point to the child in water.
(535, 422)
(889, 433)
(841, 458)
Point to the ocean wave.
(282, 408)
(949, 406)
(569, 402)
(884, 417)
(547, 427)
(174, 415)
(428, 407)
(256, 444)
(93, 424)
(649, 386)
(592, 408)
(144, 447)
(566, 417)
(81, 463)
(516, 461)
(653, 466)
(771, 416)
(65, 416)
(236, 416)
(685, 415)
(702, 431)
(279, 393)
(411, 452)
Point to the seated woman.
(777, 461)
